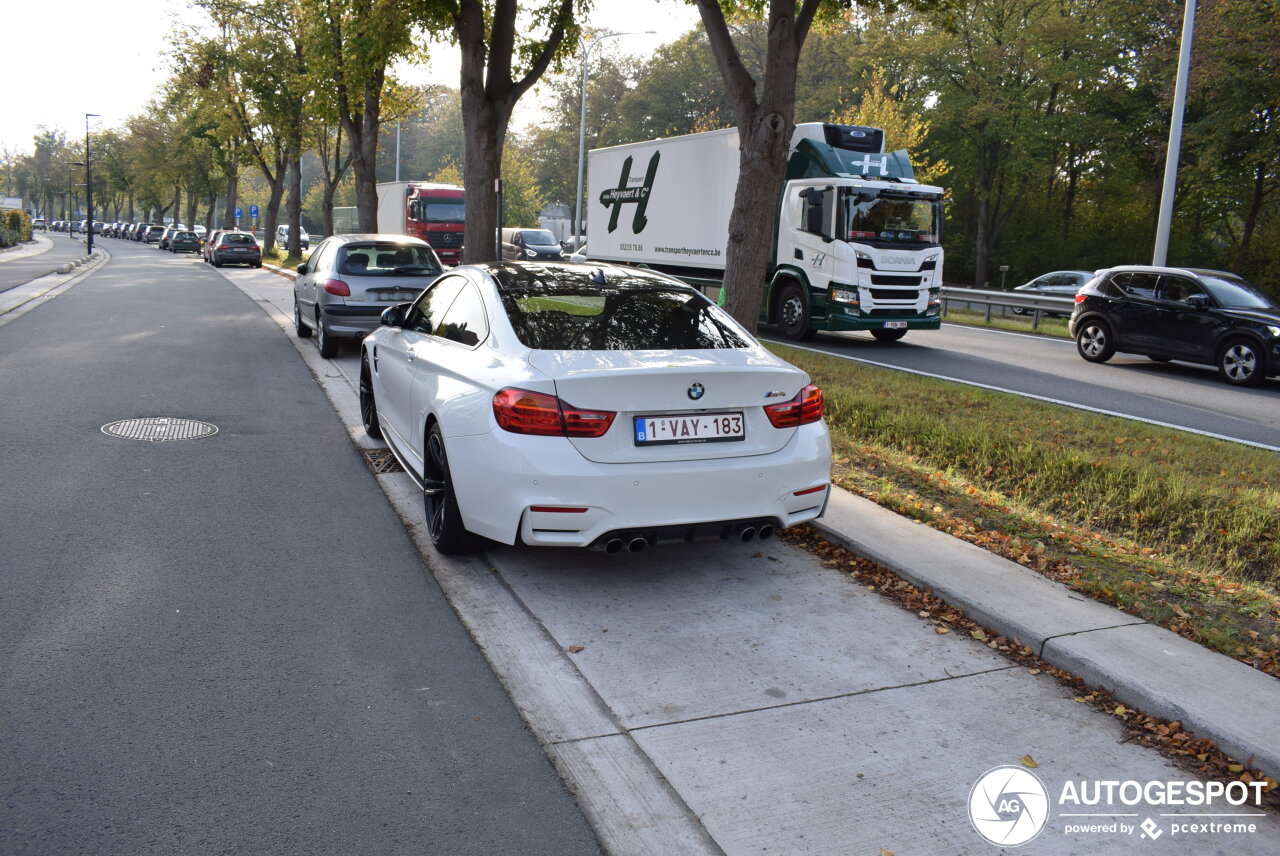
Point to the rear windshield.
(583, 317)
(185, 236)
(387, 260)
(237, 239)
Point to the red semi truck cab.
(436, 213)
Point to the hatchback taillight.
(806, 407)
(523, 412)
(337, 287)
(1080, 297)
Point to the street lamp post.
(582, 126)
(1165, 219)
(88, 182)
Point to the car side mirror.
(393, 316)
(1198, 301)
(302, 268)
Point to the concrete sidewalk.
(1142, 665)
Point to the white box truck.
(858, 243)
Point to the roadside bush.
(15, 227)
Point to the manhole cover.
(382, 461)
(157, 429)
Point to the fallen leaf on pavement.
(1028, 761)
(573, 649)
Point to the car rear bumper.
(542, 489)
(344, 320)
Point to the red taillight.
(806, 407)
(1080, 296)
(337, 287)
(523, 412)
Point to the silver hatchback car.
(342, 290)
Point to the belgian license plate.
(895, 325)
(689, 428)
(396, 296)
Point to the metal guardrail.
(1037, 304)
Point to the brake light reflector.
(805, 408)
(809, 490)
(337, 287)
(523, 412)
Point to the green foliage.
(522, 198)
(15, 227)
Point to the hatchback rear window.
(387, 260)
(238, 239)
(581, 316)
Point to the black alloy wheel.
(444, 522)
(368, 404)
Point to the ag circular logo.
(1008, 806)
(696, 391)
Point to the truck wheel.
(792, 315)
(888, 335)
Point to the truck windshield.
(886, 219)
(448, 209)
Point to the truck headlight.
(844, 295)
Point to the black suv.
(1200, 316)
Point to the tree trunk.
(229, 213)
(764, 117)
(1251, 218)
(293, 205)
(482, 165)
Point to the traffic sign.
(253, 211)
(239, 213)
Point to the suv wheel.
(1093, 341)
(1241, 364)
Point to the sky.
(84, 56)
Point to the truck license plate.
(689, 428)
(895, 325)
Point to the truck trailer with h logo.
(858, 244)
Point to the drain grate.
(381, 461)
(158, 429)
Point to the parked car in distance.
(184, 241)
(235, 248)
(1199, 316)
(528, 401)
(40, 223)
(167, 235)
(153, 234)
(531, 245)
(350, 280)
(282, 237)
(206, 249)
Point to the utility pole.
(88, 182)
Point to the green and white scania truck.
(858, 244)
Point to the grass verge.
(1178, 529)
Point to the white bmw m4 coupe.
(590, 406)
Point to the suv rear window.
(235, 238)
(574, 313)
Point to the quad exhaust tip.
(613, 545)
(637, 544)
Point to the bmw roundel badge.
(696, 391)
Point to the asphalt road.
(17, 272)
(1180, 394)
(228, 644)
